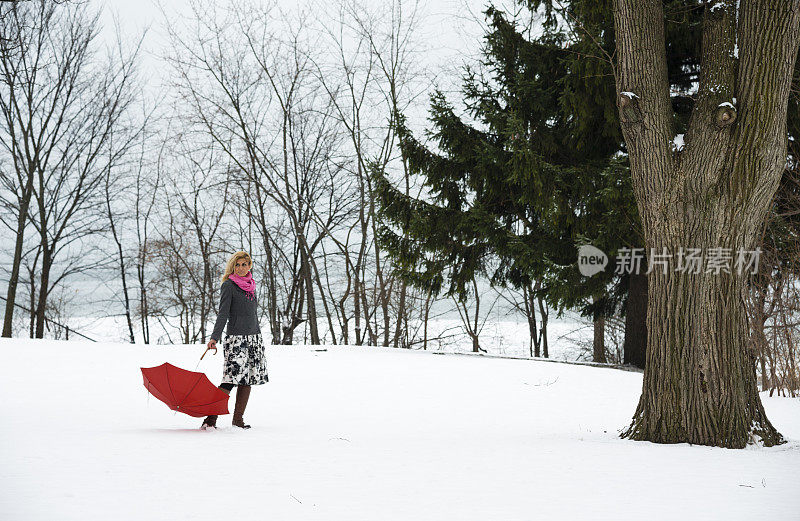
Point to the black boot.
(211, 421)
(242, 395)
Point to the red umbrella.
(185, 391)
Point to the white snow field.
(362, 434)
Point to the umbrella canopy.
(185, 391)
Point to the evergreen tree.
(540, 171)
(536, 166)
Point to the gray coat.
(237, 310)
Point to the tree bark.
(543, 330)
(144, 307)
(13, 281)
(309, 287)
(598, 342)
(700, 383)
(44, 286)
(634, 347)
(530, 314)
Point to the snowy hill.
(362, 434)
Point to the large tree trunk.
(634, 347)
(700, 383)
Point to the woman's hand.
(212, 344)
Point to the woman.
(245, 362)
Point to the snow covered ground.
(362, 434)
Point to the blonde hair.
(232, 262)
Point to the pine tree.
(541, 170)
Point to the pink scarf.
(247, 283)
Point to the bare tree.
(251, 93)
(773, 293)
(472, 321)
(526, 303)
(24, 33)
(372, 64)
(61, 104)
(200, 194)
(122, 186)
(148, 183)
(110, 195)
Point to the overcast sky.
(448, 28)
(449, 35)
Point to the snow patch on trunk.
(677, 143)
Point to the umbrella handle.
(206, 351)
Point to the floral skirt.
(245, 361)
